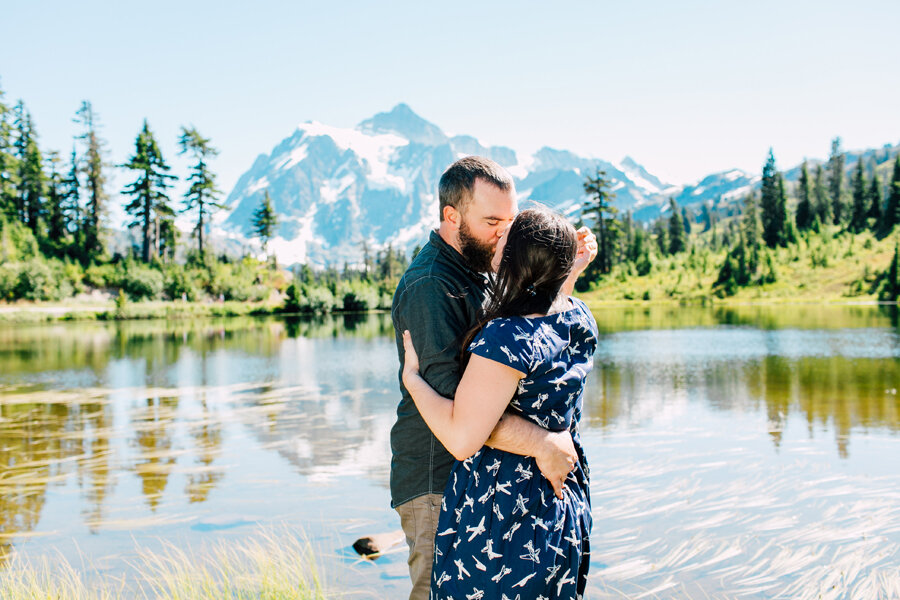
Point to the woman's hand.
(587, 250)
(410, 358)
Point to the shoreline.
(54, 312)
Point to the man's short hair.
(458, 181)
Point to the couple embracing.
(488, 474)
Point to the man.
(437, 300)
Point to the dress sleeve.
(497, 342)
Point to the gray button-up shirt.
(437, 300)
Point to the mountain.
(335, 189)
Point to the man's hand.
(556, 459)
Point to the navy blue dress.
(502, 533)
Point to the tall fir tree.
(264, 222)
(71, 200)
(660, 231)
(8, 166)
(836, 182)
(688, 219)
(875, 201)
(202, 195)
(31, 179)
(677, 237)
(21, 122)
(599, 205)
(773, 205)
(820, 193)
(93, 168)
(57, 229)
(149, 202)
(805, 211)
(859, 210)
(750, 234)
(892, 209)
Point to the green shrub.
(359, 297)
(293, 302)
(9, 277)
(179, 283)
(101, 276)
(40, 280)
(142, 283)
(319, 300)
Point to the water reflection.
(97, 415)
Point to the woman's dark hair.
(538, 256)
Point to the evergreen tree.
(892, 210)
(149, 202)
(820, 193)
(705, 217)
(31, 178)
(93, 167)
(55, 203)
(202, 195)
(677, 238)
(890, 285)
(8, 166)
(789, 231)
(749, 237)
(836, 181)
(599, 204)
(875, 201)
(859, 209)
(773, 205)
(662, 237)
(71, 200)
(805, 212)
(687, 218)
(265, 221)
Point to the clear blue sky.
(686, 88)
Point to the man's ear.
(452, 216)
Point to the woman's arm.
(462, 425)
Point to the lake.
(748, 452)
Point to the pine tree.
(8, 166)
(687, 219)
(93, 167)
(859, 210)
(31, 177)
(599, 204)
(820, 193)
(875, 201)
(750, 235)
(265, 221)
(55, 203)
(149, 203)
(662, 237)
(677, 238)
(202, 195)
(892, 210)
(773, 205)
(71, 200)
(836, 181)
(705, 217)
(805, 212)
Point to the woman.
(502, 532)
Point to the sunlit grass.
(271, 566)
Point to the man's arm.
(553, 451)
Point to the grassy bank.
(827, 267)
(274, 566)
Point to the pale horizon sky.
(686, 89)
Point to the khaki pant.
(419, 520)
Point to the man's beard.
(476, 253)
